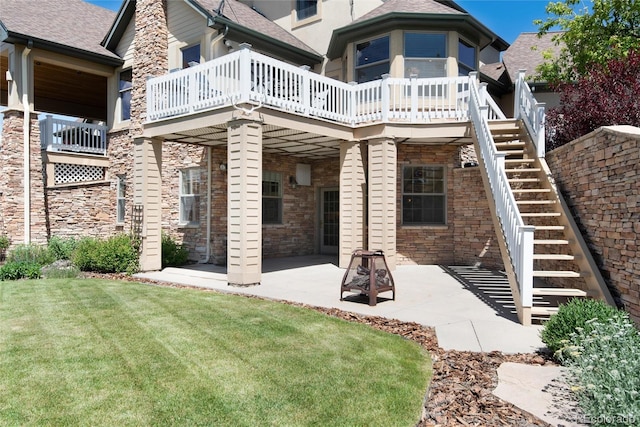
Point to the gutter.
(26, 134)
(17, 38)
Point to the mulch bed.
(460, 393)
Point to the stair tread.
(535, 202)
(510, 144)
(557, 273)
(549, 227)
(523, 179)
(543, 311)
(515, 170)
(540, 214)
(566, 292)
(550, 242)
(559, 257)
(531, 190)
(519, 160)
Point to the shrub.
(14, 270)
(117, 254)
(571, 316)
(30, 253)
(604, 367)
(62, 248)
(60, 269)
(4, 242)
(173, 254)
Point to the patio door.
(329, 221)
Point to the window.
(190, 197)
(466, 58)
(306, 9)
(191, 56)
(372, 59)
(124, 89)
(120, 198)
(425, 55)
(271, 198)
(423, 195)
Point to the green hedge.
(115, 255)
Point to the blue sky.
(507, 18)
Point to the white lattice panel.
(65, 173)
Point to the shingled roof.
(72, 26)
(526, 52)
(411, 6)
(242, 14)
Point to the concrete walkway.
(470, 309)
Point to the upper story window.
(124, 88)
(271, 197)
(190, 56)
(425, 55)
(466, 58)
(190, 196)
(424, 195)
(372, 59)
(306, 9)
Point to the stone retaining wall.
(599, 176)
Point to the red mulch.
(460, 393)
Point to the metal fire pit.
(368, 274)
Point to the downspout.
(26, 134)
(208, 249)
(216, 40)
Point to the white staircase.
(545, 257)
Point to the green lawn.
(97, 352)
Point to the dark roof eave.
(260, 41)
(495, 86)
(395, 20)
(17, 38)
(119, 26)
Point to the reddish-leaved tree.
(608, 95)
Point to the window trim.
(279, 197)
(296, 22)
(121, 92)
(121, 187)
(357, 67)
(443, 194)
(192, 172)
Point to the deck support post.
(244, 204)
(352, 200)
(382, 165)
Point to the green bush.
(14, 270)
(173, 254)
(571, 316)
(62, 248)
(4, 242)
(31, 253)
(117, 254)
(603, 366)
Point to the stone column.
(147, 193)
(352, 200)
(244, 203)
(382, 164)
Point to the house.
(252, 129)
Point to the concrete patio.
(471, 309)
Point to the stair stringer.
(595, 283)
(523, 313)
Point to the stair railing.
(531, 112)
(518, 236)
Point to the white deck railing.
(73, 136)
(250, 77)
(518, 236)
(531, 112)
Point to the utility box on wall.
(303, 174)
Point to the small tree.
(606, 30)
(606, 96)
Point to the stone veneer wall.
(599, 176)
(474, 237)
(12, 179)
